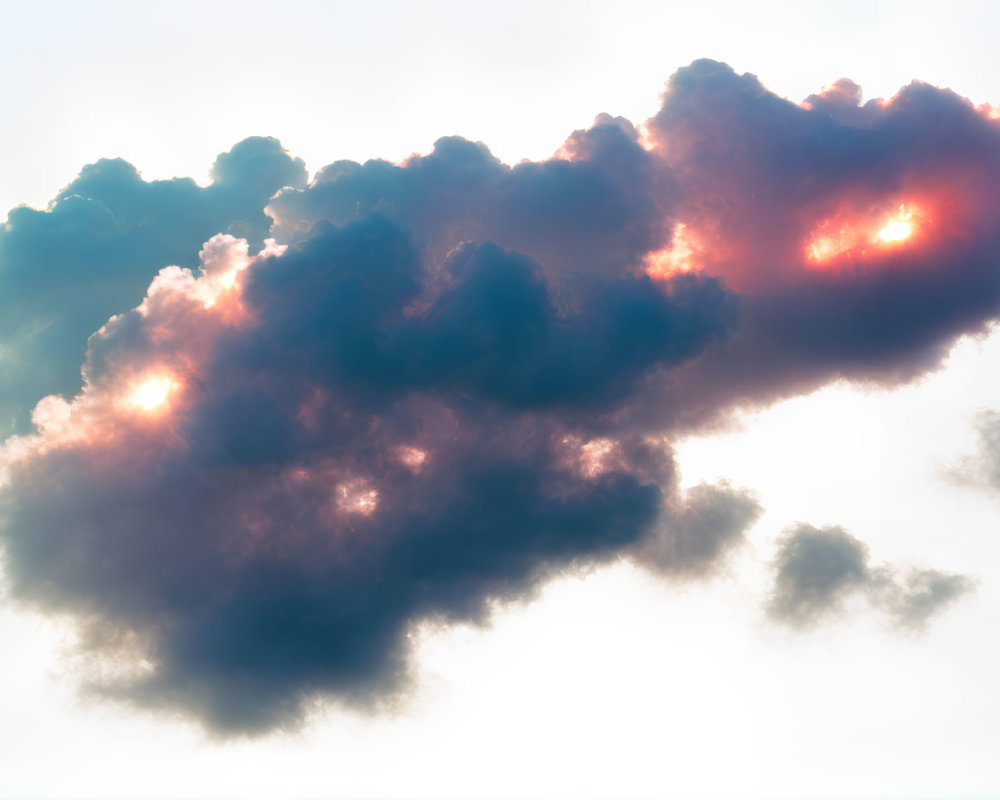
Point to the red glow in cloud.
(854, 237)
(684, 254)
(774, 193)
(135, 394)
(993, 112)
(848, 238)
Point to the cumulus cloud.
(280, 463)
(405, 390)
(982, 468)
(800, 207)
(912, 598)
(710, 520)
(65, 269)
(818, 570)
(598, 208)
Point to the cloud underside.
(403, 391)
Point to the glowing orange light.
(897, 228)
(594, 456)
(413, 457)
(645, 137)
(835, 236)
(153, 393)
(355, 498)
(827, 245)
(681, 256)
(993, 112)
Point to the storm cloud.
(291, 458)
(790, 203)
(402, 391)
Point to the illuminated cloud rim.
(401, 392)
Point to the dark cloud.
(597, 209)
(449, 379)
(818, 570)
(764, 184)
(338, 458)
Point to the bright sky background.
(612, 684)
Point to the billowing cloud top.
(411, 389)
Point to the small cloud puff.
(817, 570)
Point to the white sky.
(614, 684)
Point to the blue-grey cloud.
(710, 520)
(787, 202)
(818, 570)
(913, 597)
(443, 381)
(348, 442)
(597, 209)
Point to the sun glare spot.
(412, 457)
(828, 245)
(681, 256)
(854, 237)
(355, 498)
(153, 393)
(595, 455)
(898, 227)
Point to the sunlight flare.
(153, 393)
